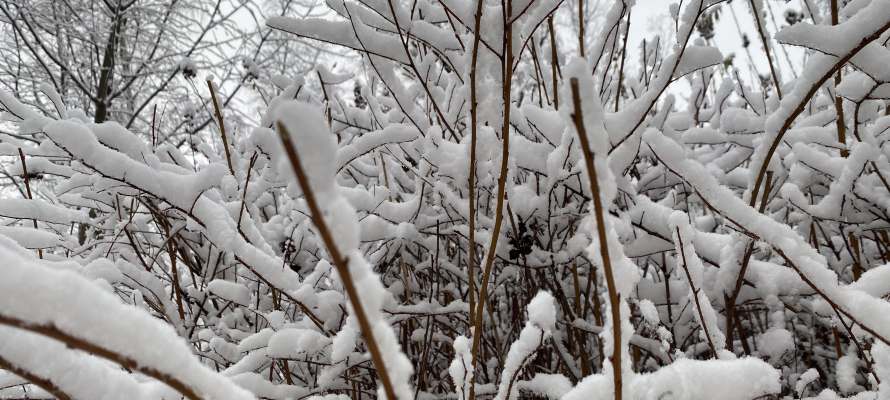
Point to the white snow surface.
(794, 248)
(38, 295)
(541, 320)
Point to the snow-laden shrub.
(481, 216)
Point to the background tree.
(117, 59)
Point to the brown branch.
(778, 251)
(765, 43)
(53, 332)
(42, 383)
(473, 126)
(554, 62)
(499, 208)
(339, 262)
(28, 187)
(222, 127)
(801, 106)
(614, 299)
(244, 194)
(695, 291)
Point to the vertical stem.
(637, 355)
(787, 58)
(885, 241)
(614, 297)
(857, 260)
(585, 367)
(222, 127)
(701, 315)
(554, 62)
(107, 70)
(244, 194)
(837, 342)
(286, 371)
(729, 300)
(838, 101)
(667, 294)
(539, 77)
(765, 43)
(502, 183)
(575, 278)
(880, 247)
(766, 191)
(325, 91)
(472, 183)
(623, 56)
(581, 26)
(154, 138)
(406, 281)
(177, 291)
(385, 176)
(738, 325)
(340, 263)
(27, 179)
(28, 188)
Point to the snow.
(553, 386)
(231, 291)
(461, 368)
(737, 379)
(395, 133)
(706, 316)
(696, 58)
(775, 342)
(344, 343)
(150, 246)
(39, 210)
(541, 320)
(542, 311)
(341, 33)
(181, 190)
(188, 66)
(650, 313)
(73, 372)
(740, 379)
(811, 265)
(840, 39)
(296, 343)
(64, 301)
(30, 237)
(805, 379)
(317, 151)
(29, 120)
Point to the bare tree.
(117, 59)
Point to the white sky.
(651, 16)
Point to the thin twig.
(499, 209)
(838, 101)
(472, 180)
(701, 315)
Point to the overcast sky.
(651, 16)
